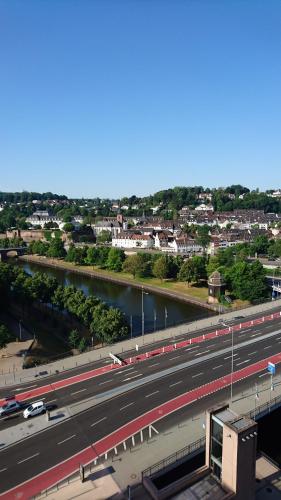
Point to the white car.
(34, 409)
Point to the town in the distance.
(140, 345)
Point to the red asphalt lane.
(40, 391)
(52, 476)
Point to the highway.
(46, 379)
(194, 367)
(121, 377)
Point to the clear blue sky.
(119, 97)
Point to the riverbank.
(175, 290)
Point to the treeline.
(27, 196)
(106, 324)
(245, 280)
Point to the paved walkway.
(20, 376)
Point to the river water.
(159, 311)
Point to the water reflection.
(159, 311)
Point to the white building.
(131, 240)
(204, 208)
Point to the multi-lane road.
(129, 392)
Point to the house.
(204, 208)
(185, 245)
(132, 240)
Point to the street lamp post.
(20, 328)
(142, 313)
(231, 375)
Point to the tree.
(68, 227)
(193, 270)
(82, 344)
(104, 237)
(161, 268)
(5, 336)
(248, 281)
(134, 264)
(108, 324)
(186, 272)
(56, 249)
(115, 259)
(203, 238)
(73, 338)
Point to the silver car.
(9, 407)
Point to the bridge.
(11, 252)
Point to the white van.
(34, 409)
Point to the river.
(159, 311)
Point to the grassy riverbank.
(197, 295)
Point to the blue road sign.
(271, 368)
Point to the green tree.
(134, 264)
(203, 238)
(104, 237)
(5, 336)
(56, 249)
(115, 259)
(73, 339)
(161, 268)
(82, 345)
(68, 227)
(248, 281)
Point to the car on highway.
(35, 408)
(9, 406)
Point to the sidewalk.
(21, 376)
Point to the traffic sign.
(271, 368)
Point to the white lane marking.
(203, 352)
(124, 370)
(250, 353)
(176, 383)
(2, 470)
(254, 335)
(98, 421)
(228, 357)
(242, 362)
(227, 340)
(278, 338)
(155, 364)
(67, 439)
(126, 406)
(52, 401)
(215, 367)
(211, 345)
(25, 388)
(189, 348)
(152, 394)
(267, 347)
(197, 375)
(134, 376)
(263, 375)
(76, 392)
(28, 458)
(175, 357)
(247, 329)
(106, 382)
(242, 335)
(134, 371)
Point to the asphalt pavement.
(43, 450)
(115, 379)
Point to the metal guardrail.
(175, 457)
(200, 443)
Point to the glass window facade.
(216, 447)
